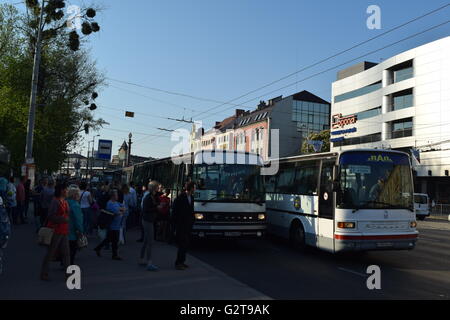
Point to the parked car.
(422, 205)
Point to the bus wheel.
(421, 218)
(297, 236)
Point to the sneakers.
(117, 258)
(98, 252)
(180, 267)
(185, 266)
(152, 267)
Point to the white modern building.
(402, 103)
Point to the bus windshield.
(375, 180)
(228, 182)
(420, 199)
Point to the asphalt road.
(273, 268)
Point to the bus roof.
(326, 155)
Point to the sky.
(218, 50)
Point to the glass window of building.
(402, 99)
(401, 71)
(401, 128)
(358, 92)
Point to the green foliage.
(67, 78)
(320, 136)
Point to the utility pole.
(87, 159)
(34, 84)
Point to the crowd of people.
(78, 210)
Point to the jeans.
(73, 245)
(59, 244)
(183, 240)
(87, 216)
(146, 249)
(113, 237)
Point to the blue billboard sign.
(104, 149)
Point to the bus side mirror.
(336, 186)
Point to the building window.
(402, 99)
(358, 140)
(401, 71)
(358, 92)
(401, 128)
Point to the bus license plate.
(385, 244)
(232, 234)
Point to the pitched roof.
(308, 96)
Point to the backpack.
(5, 225)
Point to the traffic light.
(86, 128)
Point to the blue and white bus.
(344, 201)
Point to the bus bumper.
(383, 242)
(228, 231)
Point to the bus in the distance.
(229, 201)
(352, 200)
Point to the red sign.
(338, 121)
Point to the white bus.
(229, 201)
(345, 201)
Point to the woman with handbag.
(58, 220)
(117, 210)
(76, 229)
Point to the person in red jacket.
(163, 216)
(58, 220)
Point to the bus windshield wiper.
(215, 197)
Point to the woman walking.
(127, 201)
(86, 202)
(149, 212)
(76, 228)
(112, 236)
(58, 220)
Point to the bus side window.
(285, 180)
(306, 177)
(270, 183)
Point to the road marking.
(354, 272)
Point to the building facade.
(295, 117)
(402, 103)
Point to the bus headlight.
(261, 216)
(413, 224)
(346, 225)
(199, 216)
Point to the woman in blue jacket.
(75, 220)
(115, 207)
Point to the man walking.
(20, 198)
(183, 215)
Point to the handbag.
(82, 241)
(45, 236)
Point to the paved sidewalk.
(104, 278)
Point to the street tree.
(67, 77)
(323, 136)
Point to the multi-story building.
(295, 117)
(402, 103)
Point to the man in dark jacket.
(183, 215)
